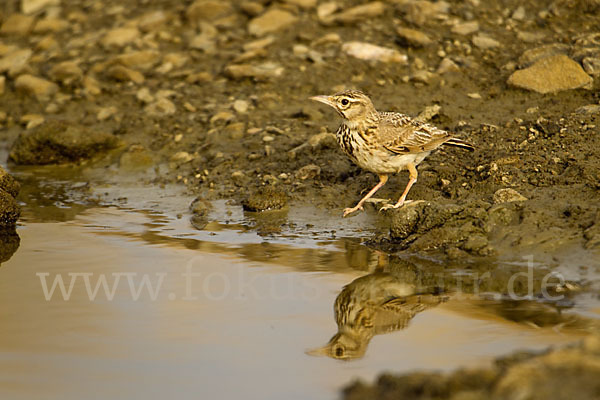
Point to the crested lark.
(384, 142)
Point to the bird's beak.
(321, 351)
(324, 99)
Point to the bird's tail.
(460, 143)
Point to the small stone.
(47, 43)
(120, 37)
(308, 172)
(91, 86)
(141, 60)
(48, 25)
(519, 14)
(475, 96)
(420, 12)
(367, 51)
(271, 21)
(413, 37)
(160, 108)
(259, 43)
(124, 74)
(106, 113)
(240, 106)
(32, 120)
(447, 65)
(182, 157)
(239, 178)
(36, 87)
(508, 195)
(207, 10)
(263, 71)
(465, 28)
(2, 84)
(67, 73)
(252, 8)
(551, 75)
(485, 42)
(222, 116)
(144, 95)
(422, 76)
(365, 11)
(17, 24)
(15, 62)
(152, 20)
(203, 42)
(530, 37)
(325, 10)
(189, 107)
(33, 6)
(591, 65)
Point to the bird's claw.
(351, 210)
(392, 206)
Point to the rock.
(551, 75)
(141, 60)
(9, 210)
(413, 37)
(161, 107)
(532, 55)
(33, 6)
(485, 42)
(422, 76)
(57, 142)
(48, 25)
(370, 10)
(2, 84)
(466, 28)
(519, 14)
(17, 24)
(367, 51)
(263, 71)
(207, 10)
(91, 86)
(182, 157)
(124, 74)
(153, 20)
(67, 73)
(8, 183)
(325, 10)
(32, 120)
(308, 172)
(144, 95)
(265, 198)
(252, 8)
(240, 106)
(530, 37)
(36, 87)
(204, 42)
(105, 113)
(120, 37)
(508, 195)
(447, 65)
(271, 21)
(15, 62)
(419, 12)
(200, 209)
(591, 65)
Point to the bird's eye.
(339, 351)
(345, 102)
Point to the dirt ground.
(214, 95)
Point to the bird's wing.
(400, 310)
(402, 135)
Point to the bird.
(374, 304)
(384, 142)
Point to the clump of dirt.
(265, 198)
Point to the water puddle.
(132, 302)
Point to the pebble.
(106, 113)
(144, 95)
(413, 37)
(420, 12)
(591, 65)
(358, 13)
(447, 65)
(259, 43)
(306, 4)
(240, 106)
(91, 86)
(308, 172)
(368, 51)
(67, 73)
(485, 42)
(120, 37)
(37, 87)
(141, 60)
(475, 96)
(222, 116)
(466, 28)
(552, 74)
(48, 25)
(161, 107)
(2, 84)
(252, 8)
(33, 6)
(17, 25)
(532, 55)
(32, 120)
(15, 62)
(519, 14)
(124, 74)
(508, 195)
(207, 10)
(530, 37)
(263, 71)
(182, 157)
(325, 10)
(422, 76)
(152, 21)
(271, 21)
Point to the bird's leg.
(382, 180)
(412, 173)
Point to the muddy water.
(217, 313)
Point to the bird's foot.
(392, 206)
(351, 210)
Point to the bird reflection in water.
(372, 305)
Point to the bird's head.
(352, 105)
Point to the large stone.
(17, 24)
(271, 21)
(550, 75)
(37, 87)
(57, 142)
